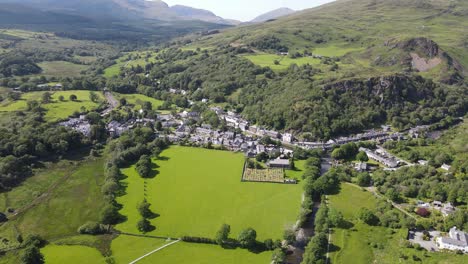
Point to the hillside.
(118, 20)
(337, 69)
(376, 30)
(121, 10)
(277, 13)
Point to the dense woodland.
(27, 141)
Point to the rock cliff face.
(389, 90)
(423, 54)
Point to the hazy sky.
(246, 10)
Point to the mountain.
(280, 12)
(135, 20)
(191, 13)
(122, 10)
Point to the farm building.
(279, 163)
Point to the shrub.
(247, 238)
(202, 240)
(91, 228)
(423, 212)
(144, 225)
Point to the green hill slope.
(381, 33)
(337, 69)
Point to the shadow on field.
(163, 158)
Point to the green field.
(56, 110)
(197, 190)
(373, 244)
(137, 100)
(268, 60)
(126, 61)
(61, 69)
(58, 204)
(334, 50)
(57, 254)
(128, 248)
(186, 253)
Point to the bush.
(144, 225)
(91, 228)
(32, 255)
(201, 240)
(247, 238)
(368, 217)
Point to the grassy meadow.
(373, 244)
(59, 254)
(187, 253)
(198, 190)
(56, 110)
(137, 100)
(136, 58)
(63, 197)
(61, 69)
(268, 60)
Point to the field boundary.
(154, 251)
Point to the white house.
(457, 240)
(446, 167)
(287, 137)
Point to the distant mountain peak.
(277, 13)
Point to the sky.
(246, 10)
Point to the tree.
(147, 106)
(94, 97)
(158, 126)
(335, 218)
(223, 234)
(423, 212)
(144, 225)
(73, 97)
(144, 209)
(46, 98)
(32, 255)
(110, 215)
(368, 217)
(393, 195)
(61, 98)
(269, 244)
(143, 166)
(247, 238)
(292, 165)
(364, 179)
(289, 235)
(278, 256)
(276, 62)
(316, 249)
(123, 102)
(362, 156)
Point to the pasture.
(137, 58)
(61, 69)
(186, 253)
(62, 198)
(197, 190)
(59, 254)
(137, 100)
(268, 60)
(56, 110)
(371, 244)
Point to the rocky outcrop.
(390, 90)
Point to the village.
(186, 127)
